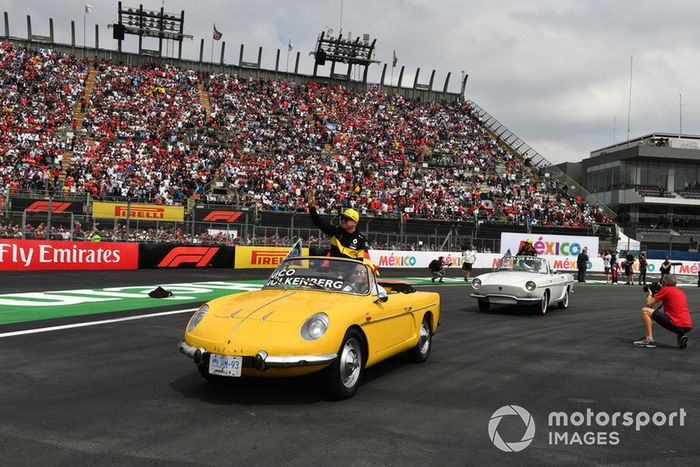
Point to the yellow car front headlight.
(197, 317)
(315, 327)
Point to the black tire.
(421, 351)
(484, 305)
(342, 377)
(542, 307)
(564, 304)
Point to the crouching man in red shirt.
(675, 317)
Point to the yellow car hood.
(243, 324)
(280, 306)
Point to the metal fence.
(69, 226)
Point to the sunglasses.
(345, 219)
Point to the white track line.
(92, 323)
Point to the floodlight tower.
(358, 52)
(149, 23)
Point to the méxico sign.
(550, 245)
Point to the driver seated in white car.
(528, 265)
(540, 267)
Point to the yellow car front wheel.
(342, 377)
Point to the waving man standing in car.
(346, 240)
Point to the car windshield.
(330, 274)
(523, 263)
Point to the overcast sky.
(556, 73)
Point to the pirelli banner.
(146, 212)
(261, 257)
(156, 256)
(42, 205)
(221, 216)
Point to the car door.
(389, 325)
(557, 282)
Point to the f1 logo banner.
(185, 256)
(32, 205)
(200, 256)
(64, 255)
(216, 215)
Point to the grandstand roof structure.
(243, 68)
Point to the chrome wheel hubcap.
(424, 339)
(350, 363)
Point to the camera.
(654, 287)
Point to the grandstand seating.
(38, 90)
(691, 192)
(148, 136)
(653, 191)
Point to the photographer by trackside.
(675, 317)
(437, 268)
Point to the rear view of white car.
(523, 280)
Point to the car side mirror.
(382, 296)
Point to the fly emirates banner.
(17, 255)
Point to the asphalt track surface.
(121, 394)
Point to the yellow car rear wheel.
(421, 351)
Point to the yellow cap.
(352, 214)
(528, 241)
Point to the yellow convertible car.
(314, 314)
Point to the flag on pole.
(289, 47)
(88, 8)
(217, 35)
(394, 60)
(296, 250)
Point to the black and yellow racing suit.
(343, 244)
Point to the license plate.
(225, 365)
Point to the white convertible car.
(523, 280)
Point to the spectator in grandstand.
(527, 249)
(606, 265)
(468, 260)
(582, 264)
(642, 269)
(665, 268)
(675, 315)
(437, 268)
(346, 240)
